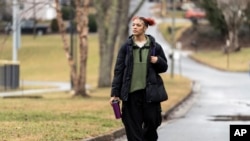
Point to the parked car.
(27, 27)
(195, 14)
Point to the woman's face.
(138, 27)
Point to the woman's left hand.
(154, 59)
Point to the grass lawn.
(235, 61)
(59, 116)
(41, 58)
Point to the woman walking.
(136, 82)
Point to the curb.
(108, 137)
(121, 132)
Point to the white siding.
(39, 9)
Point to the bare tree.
(82, 29)
(5, 17)
(28, 9)
(108, 25)
(79, 77)
(233, 14)
(112, 19)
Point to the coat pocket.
(156, 92)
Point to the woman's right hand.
(113, 98)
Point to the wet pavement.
(223, 100)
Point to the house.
(31, 9)
(38, 9)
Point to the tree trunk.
(236, 46)
(65, 41)
(82, 29)
(105, 67)
(79, 81)
(232, 11)
(124, 20)
(112, 19)
(108, 24)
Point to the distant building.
(38, 9)
(31, 9)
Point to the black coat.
(124, 67)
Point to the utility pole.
(15, 30)
(173, 37)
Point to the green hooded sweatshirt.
(139, 74)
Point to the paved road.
(221, 94)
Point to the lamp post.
(13, 68)
(179, 46)
(15, 30)
(173, 38)
(249, 68)
(227, 51)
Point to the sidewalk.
(55, 87)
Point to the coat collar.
(151, 38)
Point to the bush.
(54, 25)
(92, 23)
(215, 16)
(67, 13)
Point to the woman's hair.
(147, 21)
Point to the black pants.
(141, 119)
